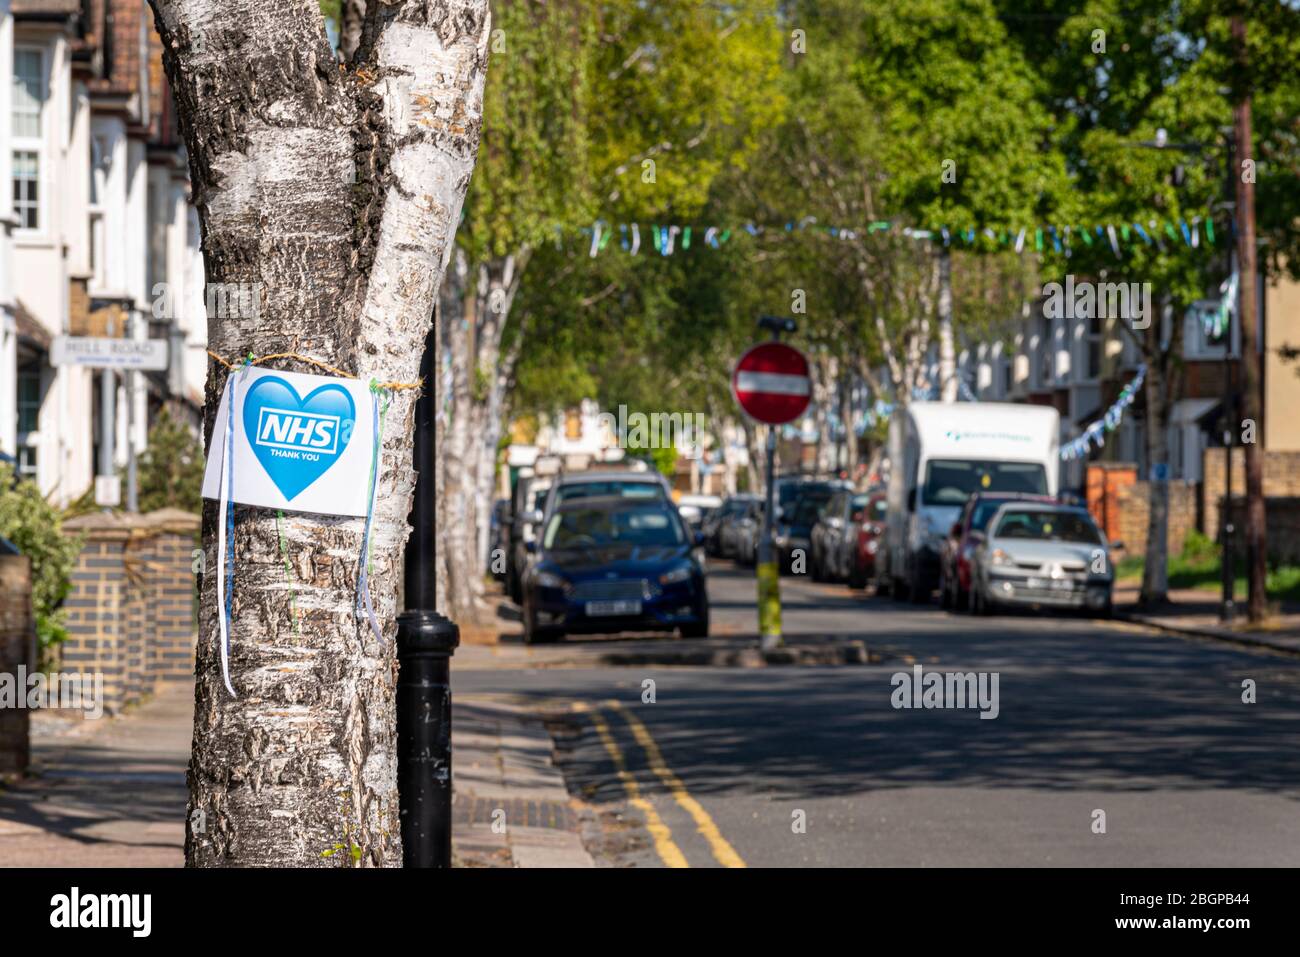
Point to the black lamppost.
(425, 643)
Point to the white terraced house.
(98, 238)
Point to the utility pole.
(1256, 545)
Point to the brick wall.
(1135, 512)
(130, 613)
(1102, 486)
(16, 649)
(1281, 480)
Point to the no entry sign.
(771, 383)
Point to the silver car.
(1043, 554)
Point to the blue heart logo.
(297, 439)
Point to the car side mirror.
(858, 516)
(532, 517)
(699, 539)
(530, 546)
(1117, 546)
(955, 531)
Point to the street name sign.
(772, 384)
(94, 353)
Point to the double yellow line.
(660, 833)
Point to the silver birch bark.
(335, 193)
(477, 302)
(947, 345)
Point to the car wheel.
(534, 635)
(917, 590)
(699, 629)
(818, 571)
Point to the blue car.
(610, 564)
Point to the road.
(1092, 716)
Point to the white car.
(1043, 554)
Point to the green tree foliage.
(36, 528)
(171, 468)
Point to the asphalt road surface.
(814, 766)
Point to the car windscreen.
(597, 527)
(1048, 525)
(984, 511)
(952, 481)
(787, 493)
(614, 487)
(807, 506)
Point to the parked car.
(499, 539)
(623, 483)
(803, 502)
(1042, 554)
(963, 536)
(834, 536)
(739, 532)
(714, 524)
(530, 495)
(694, 509)
(611, 563)
(867, 534)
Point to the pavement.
(108, 792)
(1195, 612)
(111, 792)
(510, 807)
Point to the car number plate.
(1052, 584)
(595, 608)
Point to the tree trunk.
(476, 301)
(1256, 523)
(947, 345)
(335, 195)
(754, 457)
(1155, 572)
(458, 457)
(846, 418)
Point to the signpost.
(772, 385)
(130, 356)
(93, 353)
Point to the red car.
(965, 534)
(867, 535)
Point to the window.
(29, 92)
(29, 414)
(27, 186)
(1045, 525)
(29, 95)
(952, 481)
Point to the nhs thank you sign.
(300, 442)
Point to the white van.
(941, 453)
